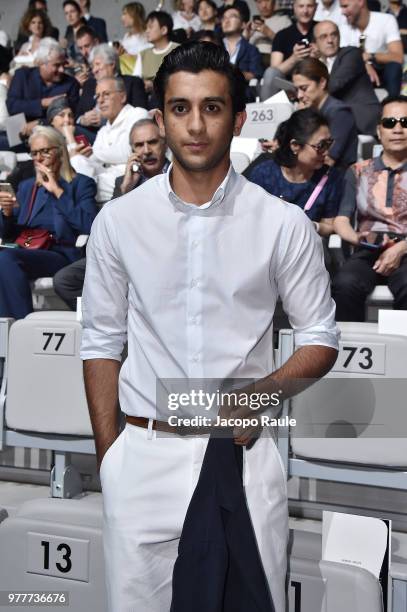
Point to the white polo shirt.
(381, 30)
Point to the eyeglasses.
(323, 145)
(390, 122)
(46, 152)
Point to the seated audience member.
(73, 16)
(376, 190)
(297, 171)
(133, 19)
(50, 212)
(158, 30)
(104, 61)
(60, 116)
(244, 55)
(111, 148)
(97, 24)
(311, 79)
(348, 79)
(33, 89)
(148, 152)
(208, 14)
(265, 25)
(377, 34)
(399, 11)
(40, 5)
(290, 46)
(85, 41)
(185, 17)
(34, 26)
(329, 10)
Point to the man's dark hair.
(299, 127)
(73, 3)
(164, 19)
(391, 99)
(204, 35)
(209, 3)
(32, 3)
(195, 57)
(236, 8)
(84, 30)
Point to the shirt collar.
(120, 116)
(217, 197)
(378, 165)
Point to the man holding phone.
(290, 46)
(377, 190)
(265, 25)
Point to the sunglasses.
(323, 145)
(391, 122)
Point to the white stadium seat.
(240, 161)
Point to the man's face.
(326, 36)
(304, 10)
(154, 31)
(101, 70)
(265, 8)
(351, 9)
(149, 147)
(72, 16)
(109, 100)
(198, 120)
(52, 71)
(394, 139)
(231, 22)
(85, 45)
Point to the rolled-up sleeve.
(104, 300)
(303, 283)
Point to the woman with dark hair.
(311, 79)
(297, 171)
(73, 16)
(34, 25)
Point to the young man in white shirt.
(187, 268)
(378, 36)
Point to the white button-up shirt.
(193, 288)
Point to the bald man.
(348, 80)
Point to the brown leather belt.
(166, 427)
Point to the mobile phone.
(8, 188)
(81, 139)
(262, 139)
(304, 42)
(258, 18)
(370, 245)
(135, 167)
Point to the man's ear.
(239, 121)
(159, 117)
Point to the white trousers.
(147, 484)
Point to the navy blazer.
(67, 217)
(218, 568)
(249, 59)
(98, 25)
(343, 130)
(27, 90)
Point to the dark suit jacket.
(218, 568)
(98, 25)
(66, 218)
(249, 59)
(27, 90)
(343, 130)
(350, 83)
(136, 94)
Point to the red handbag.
(34, 238)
